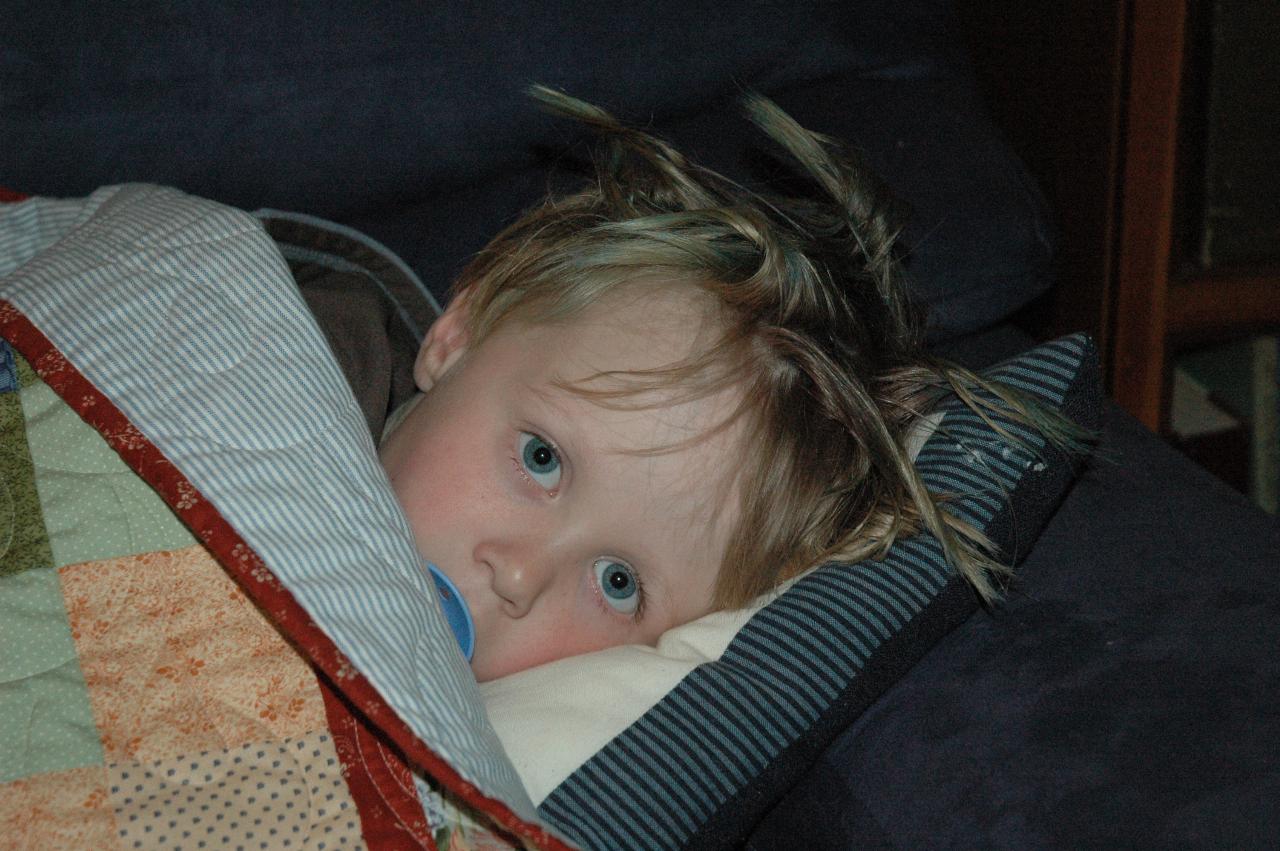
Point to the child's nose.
(518, 577)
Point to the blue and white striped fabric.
(701, 765)
(183, 312)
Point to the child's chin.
(485, 669)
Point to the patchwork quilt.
(194, 534)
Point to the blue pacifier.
(455, 611)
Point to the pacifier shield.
(455, 611)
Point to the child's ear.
(446, 340)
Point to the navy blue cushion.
(409, 121)
(1124, 696)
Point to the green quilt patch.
(24, 542)
(94, 506)
(46, 720)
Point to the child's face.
(532, 499)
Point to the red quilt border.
(245, 566)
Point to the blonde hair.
(817, 331)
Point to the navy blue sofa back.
(409, 120)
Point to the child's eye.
(540, 460)
(619, 585)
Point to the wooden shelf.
(1100, 97)
(1154, 65)
(1209, 306)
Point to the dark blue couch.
(410, 122)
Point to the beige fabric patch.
(64, 809)
(177, 660)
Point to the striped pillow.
(705, 762)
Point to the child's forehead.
(631, 331)
(610, 374)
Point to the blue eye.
(540, 460)
(618, 584)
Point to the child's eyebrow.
(550, 398)
(553, 414)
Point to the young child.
(665, 394)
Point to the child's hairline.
(685, 372)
